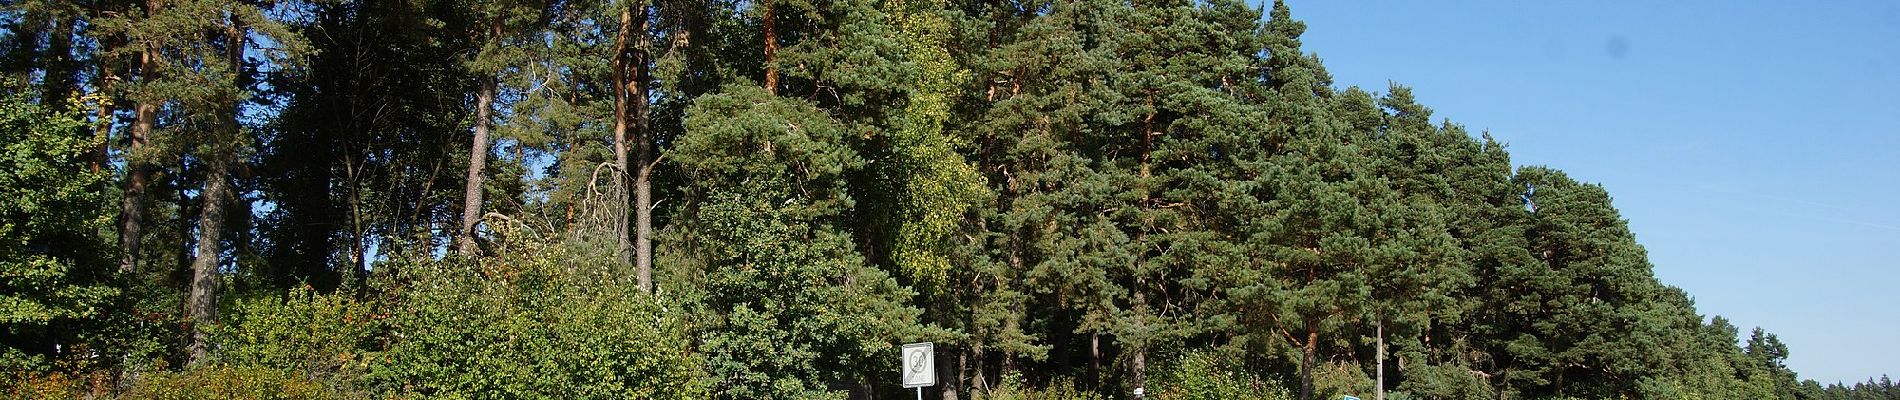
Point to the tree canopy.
(764, 199)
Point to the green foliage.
(25, 385)
(1449, 382)
(1210, 375)
(1013, 388)
(791, 305)
(323, 337)
(932, 187)
(55, 282)
(535, 323)
(229, 382)
(1072, 198)
(1333, 379)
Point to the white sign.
(920, 365)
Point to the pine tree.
(770, 170)
(194, 59)
(496, 31)
(1049, 233)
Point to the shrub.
(534, 322)
(55, 279)
(228, 382)
(1336, 378)
(1013, 388)
(323, 337)
(1207, 375)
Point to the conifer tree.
(1050, 234)
(496, 31)
(770, 171)
(194, 59)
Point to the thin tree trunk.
(187, 217)
(771, 47)
(1378, 326)
(138, 173)
(643, 145)
(622, 124)
(643, 222)
(946, 378)
(358, 259)
(1095, 360)
(1140, 367)
(202, 301)
(477, 163)
(1308, 351)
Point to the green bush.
(324, 337)
(534, 322)
(228, 382)
(1207, 375)
(1336, 378)
(56, 281)
(1013, 388)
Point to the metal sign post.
(919, 366)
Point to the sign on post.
(920, 365)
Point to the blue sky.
(1754, 146)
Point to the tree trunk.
(947, 383)
(633, 133)
(1308, 351)
(1378, 326)
(358, 259)
(1140, 376)
(202, 301)
(771, 47)
(1095, 360)
(962, 381)
(643, 222)
(477, 163)
(622, 120)
(1138, 366)
(643, 145)
(138, 173)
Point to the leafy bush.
(1013, 388)
(324, 337)
(534, 322)
(1207, 375)
(34, 385)
(55, 280)
(1336, 378)
(228, 382)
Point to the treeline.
(761, 199)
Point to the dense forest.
(763, 199)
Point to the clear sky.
(1754, 146)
